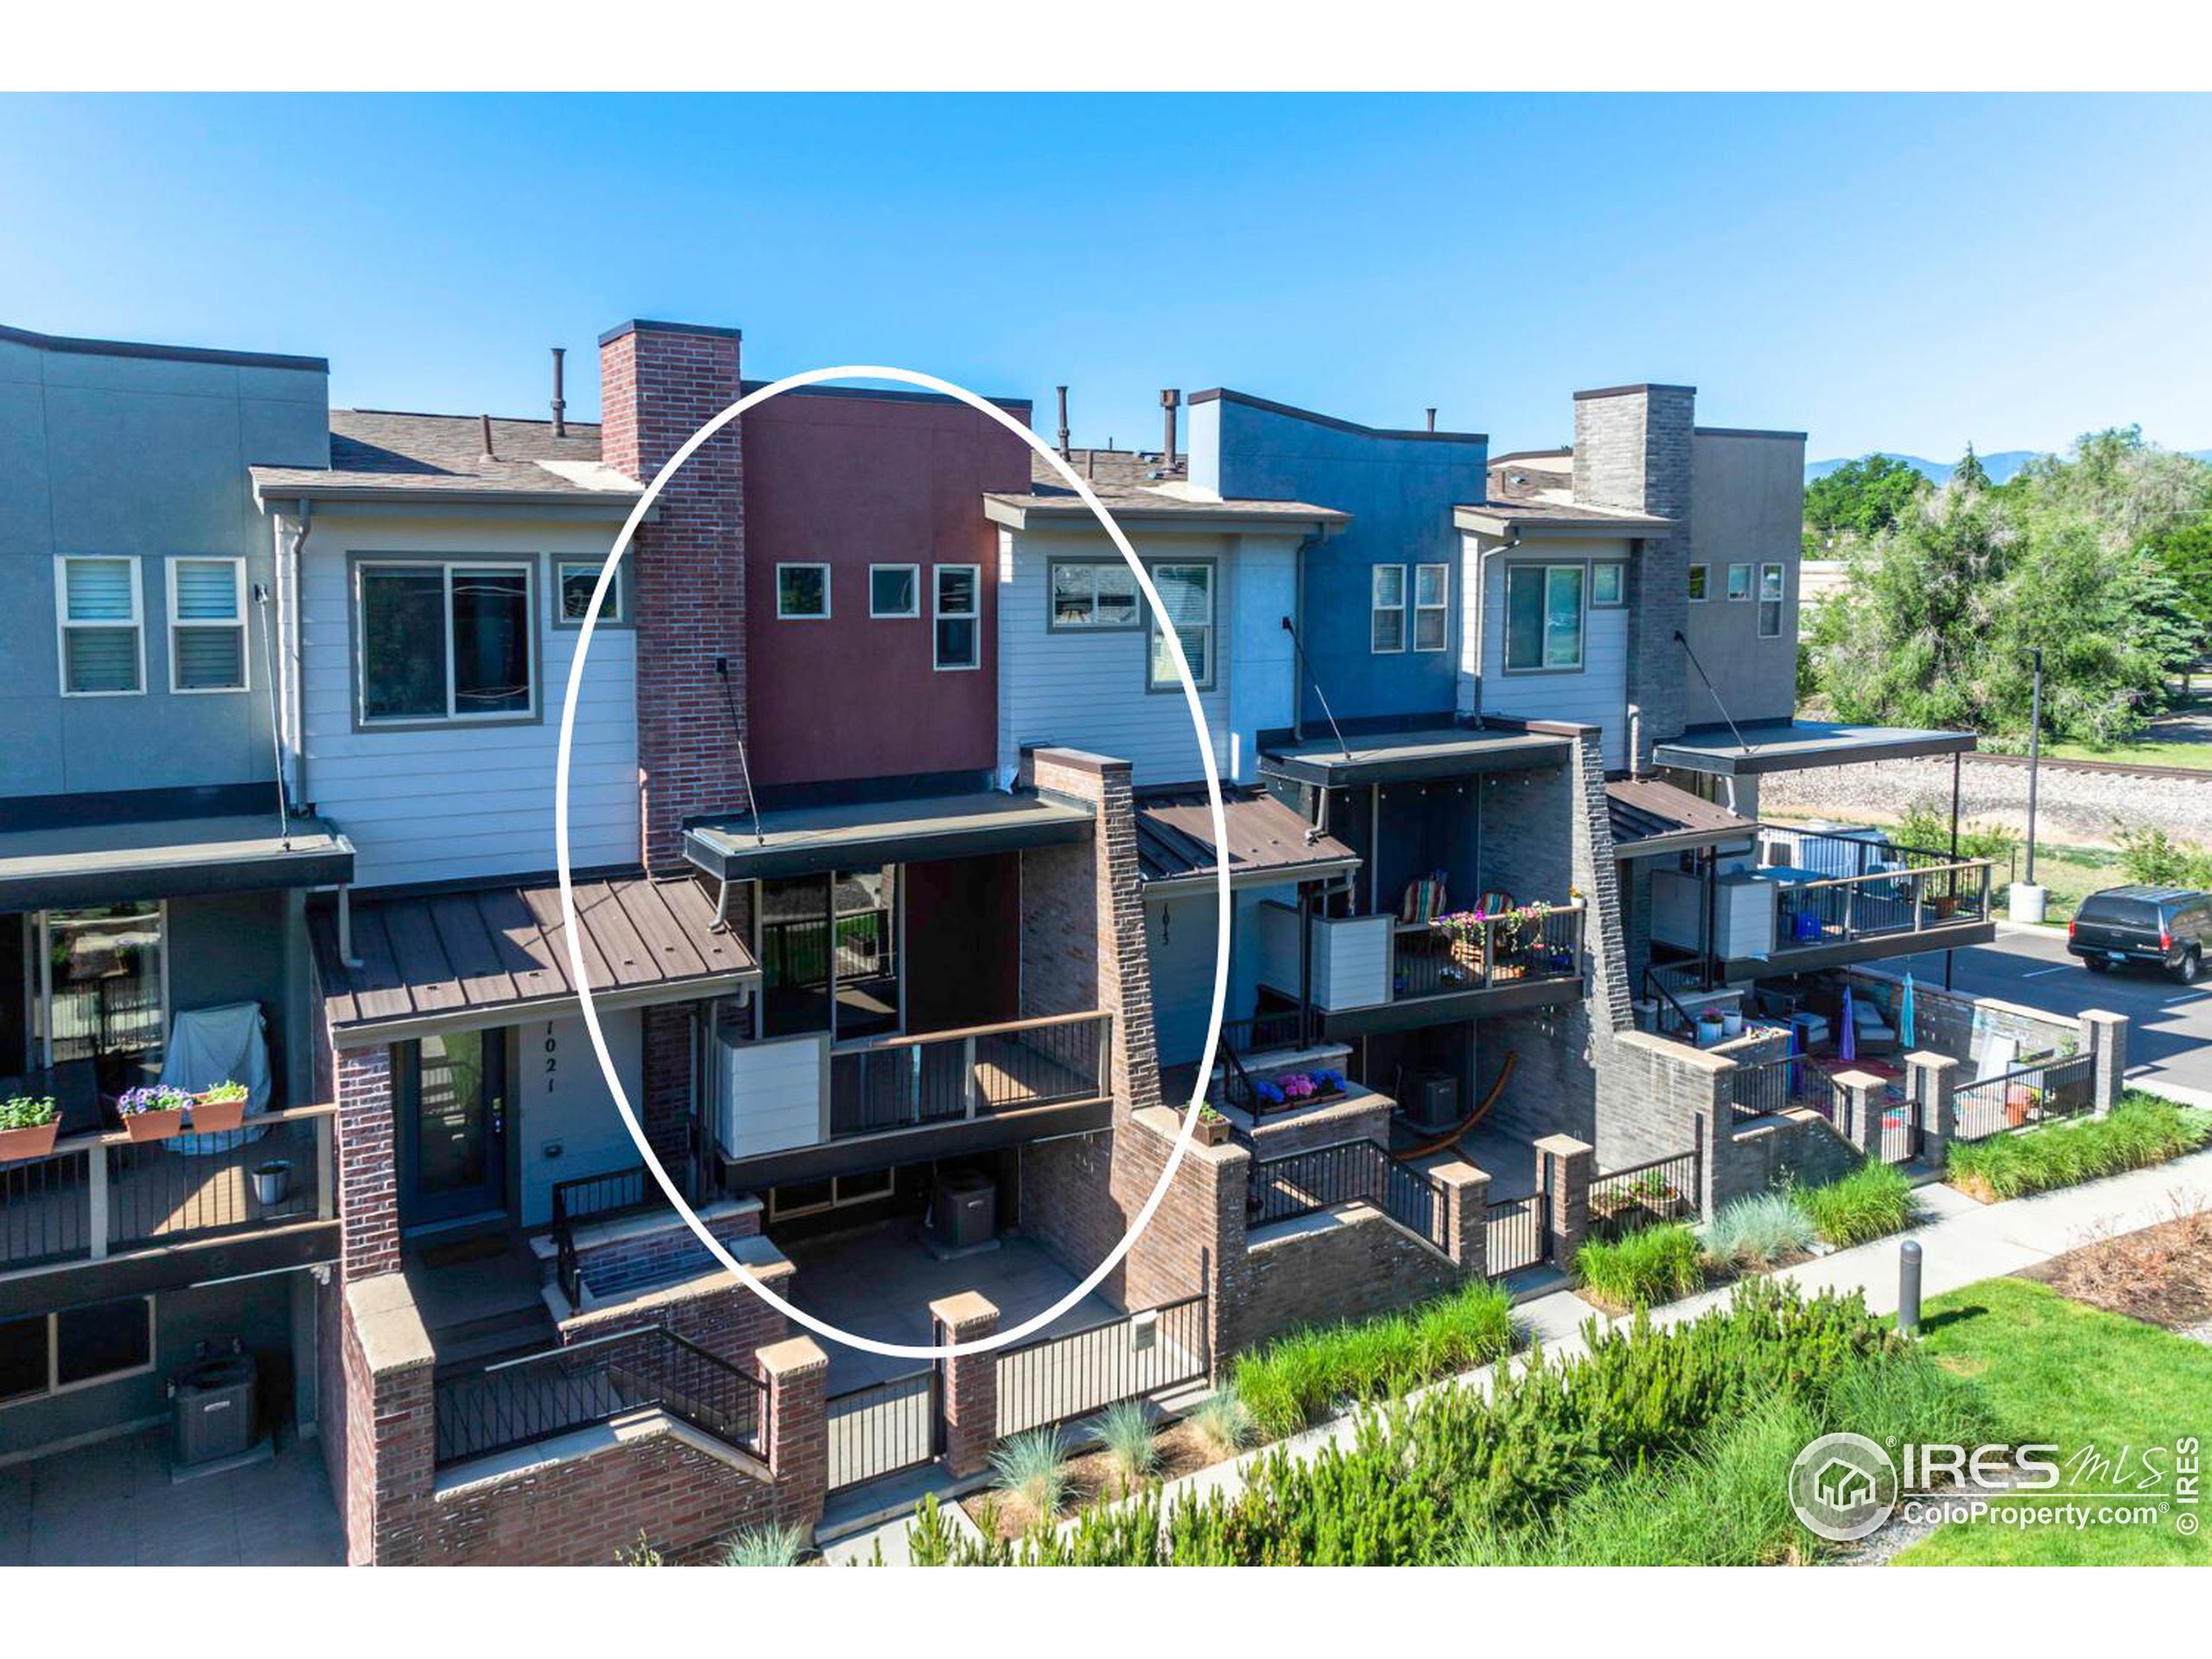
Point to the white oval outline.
(582, 977)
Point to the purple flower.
(151, 1097)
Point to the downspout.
(296, 691)
(1482, 557)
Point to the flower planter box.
(1213, 1132)
(16, 1145)
(154, 1125)
(217, 1116)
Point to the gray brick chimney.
(1632, 450)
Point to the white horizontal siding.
(1352, 957)
(436, 804)
(770, 1096)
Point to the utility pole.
(2035, 758)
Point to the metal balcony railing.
(1440, 959)
(945, 1077)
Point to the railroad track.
(2128, 768)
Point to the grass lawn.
(2145, 753)
(2055, 1371)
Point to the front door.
(452, 1116)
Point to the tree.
(1862, 498)
(1970, 473)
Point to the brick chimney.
(1632, 451)
(659, 382)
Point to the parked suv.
(2170, 926)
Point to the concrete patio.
(113, 1505)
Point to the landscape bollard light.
(1908, 1288)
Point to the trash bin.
(964, 1208)
(214, 1410)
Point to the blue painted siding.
(1400, 489)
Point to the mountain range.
(2000, 464)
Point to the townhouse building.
(894, 882)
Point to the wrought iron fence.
(1643, 1195)
(618, 1191)
(2059, 1087)
(883, 1428)
(1348, 1171)
(1896, 1134)
(907, 1082)
(1055, 1379)
(1761, 1088)
(1517, 1233)
(1542, 942)
(170, 1192)
(45, 1209)
(508, 1403)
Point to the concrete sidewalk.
(1961, 1242)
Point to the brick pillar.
(1930, 1080)
(658, 383)
(1857, 1109)
(2104, 1038)
(1466, 1216)
(390, 1423)
(971, 1382)
(367, 1171)
(796, 1429)
(1564, 1166)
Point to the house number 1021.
(552, 1059)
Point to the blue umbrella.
(1904, 1017)
(1847, 1043)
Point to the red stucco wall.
(854, 481)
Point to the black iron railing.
(2062, 1086)
(1348, 1171)
(1055, 1379)
(908, 1082)
(44, 1210)
(498, 1407)
(1762, 1088)
(1865, 888)
(1643, 1195)
(1516, 1234)
(1539, 943)
(619, 1192)
(884, 1428)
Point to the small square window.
(1739, 581)
(803, 592)
(1608, 586)
(1697, 584)
(894, 590)
(579, 579)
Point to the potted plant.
(1469, 931)
(28, 1127)
(1712, 1025)
(1213, 1131)
(222, 1108)
(1658, 1195)
(272, 1181)
(2020, 1101)
(154, 1112)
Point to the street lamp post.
(2028, 898)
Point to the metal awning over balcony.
(1651, 819)
(808, 840)
(1801, 745)
(490, 957)
(1268, 843)
(1410, 757)
(61, 866)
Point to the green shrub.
(28, 1112)
(1759, 1231)
(1223, 1421)
(1926, 827)
(1125, 1429)
(764, 1547)
(1871, 1202)
(1288, 1381)
(1657, 1264)
(2140, 1130)
(1033, 1467)
(2155, 859)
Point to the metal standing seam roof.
(487, 956)
(1268, 840)
(1650, 819)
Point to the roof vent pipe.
(1065, 453)
(560, 403)
(484, 423)
(1170, 398)
(1431, 418)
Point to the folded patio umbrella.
(1847, 1045)
(1905, 1036)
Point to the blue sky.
(1884, 272)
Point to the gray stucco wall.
(1749, 495)
(146, 457)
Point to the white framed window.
(894, 590)
(103, 638)
(573, 582)
(444, 641)
(1432, 606)
(1386, 609)
(1185, 591)
(1739, 583)
(1770, 596)
(803, 593)
(208, 625)
(47, 1354)
(1697, 584)
(956, 616)
(1094, 595)
(1608, 585)
(1543, 619)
